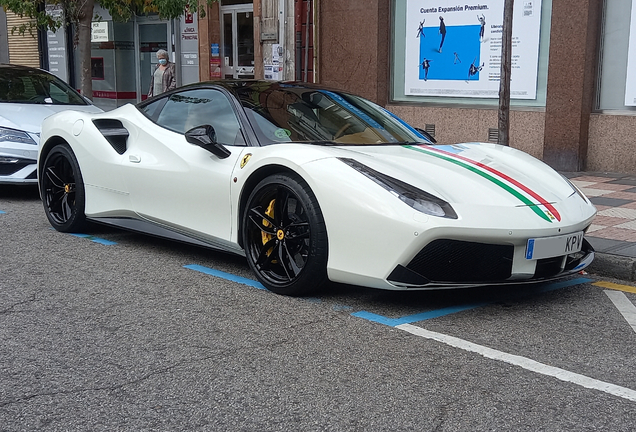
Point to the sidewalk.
(613, 232)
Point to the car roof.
(12, 70)
(238, 85)
(15, 67)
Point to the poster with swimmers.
(455, 49)
(630, 83)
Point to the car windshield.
(36, 87)
(292, 113)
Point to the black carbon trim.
(401, 276)
(455, 261)
(114, 132)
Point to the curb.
(614, 266)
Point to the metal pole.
(307, 41)
(504, 77)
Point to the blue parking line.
(94, 239)
(223, 275)
(393, 322)
(1, 212)
(416, 317)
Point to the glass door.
(150, 38)
(237, 24)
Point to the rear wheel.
(284, 236)
(62, 190)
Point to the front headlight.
(16, 136)
(416, 198)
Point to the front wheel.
(62, 190)
(284, 236)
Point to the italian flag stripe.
(473, 166)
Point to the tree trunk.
(504, 77)
(84, 45)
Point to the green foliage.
(174, 8)
(33, 9)
(121, 10)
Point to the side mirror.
(427, 135)
(205, 137)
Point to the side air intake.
(114, 132)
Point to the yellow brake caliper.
(265, 236)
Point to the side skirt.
(153, 229)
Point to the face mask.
(163, 61)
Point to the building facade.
(17, 47)
(433, 62)
(573, 62)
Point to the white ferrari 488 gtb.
(313, 185)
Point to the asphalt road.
(113, 332)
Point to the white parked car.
(28, 96)
(313, 185)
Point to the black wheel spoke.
(54, 178)
(266, 253)
(283, 259)
(66, 210)
(299, 236)
(280, 206)
(55, 197)
(257, 216)
(292, 262)
(299, 230)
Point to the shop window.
(97, 68)
(452, 56)
(616, 88)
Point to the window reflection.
(193, 108)
(285, 114)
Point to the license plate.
(547, 247)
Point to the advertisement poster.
(215, 62)
(455, 50)
(630, 83)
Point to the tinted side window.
(192, 108)
(152, 109)
(58, 95)
(36, 87)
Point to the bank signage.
(455, 49)
(56, 44)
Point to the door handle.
(134, 158)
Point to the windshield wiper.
(322, 142)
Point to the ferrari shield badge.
(245, 159)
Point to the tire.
(284, 236)
(62, 190)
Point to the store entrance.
(151, 36)
(237, 41)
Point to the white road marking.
(624, 306)
(523, 362)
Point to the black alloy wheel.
(62, 190)
(284, 236)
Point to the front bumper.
(16, 170)
(454, 264)
(18, 162)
